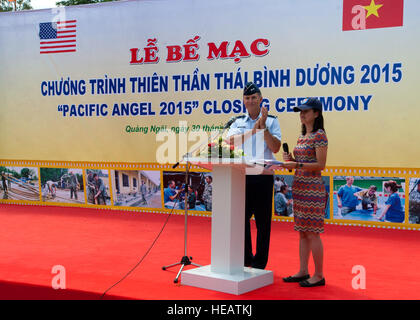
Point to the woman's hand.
(287, 157)
(386, 208)
(289, 165)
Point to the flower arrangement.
(221, 148)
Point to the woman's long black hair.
(318, 123)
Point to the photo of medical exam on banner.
(369, 198)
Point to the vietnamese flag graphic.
(372, 14)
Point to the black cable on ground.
(147, 252)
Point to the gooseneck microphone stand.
(185, 260)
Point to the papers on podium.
(269, 164)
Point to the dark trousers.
(258, 202)
(73, 190)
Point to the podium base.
(239, 283)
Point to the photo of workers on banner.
(97, 187)
(369, 198)
(136, 188)
(19, 183)
(62, 185)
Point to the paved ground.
(64, 197)
(17, 192)
(153, 201)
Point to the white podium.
(227, 273)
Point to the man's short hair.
(251, 88)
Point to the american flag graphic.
(56, 37)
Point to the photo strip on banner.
(372, 197)
(62, 185)
(19, 183)
(136, 188)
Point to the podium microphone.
(188, 154)
(286, 149)
(229, 123)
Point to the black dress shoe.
(296, 279)
(258, 266)
(307, 284)
(248, 263)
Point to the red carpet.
(98, 247)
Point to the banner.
(134, 83)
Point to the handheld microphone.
(286, 149)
